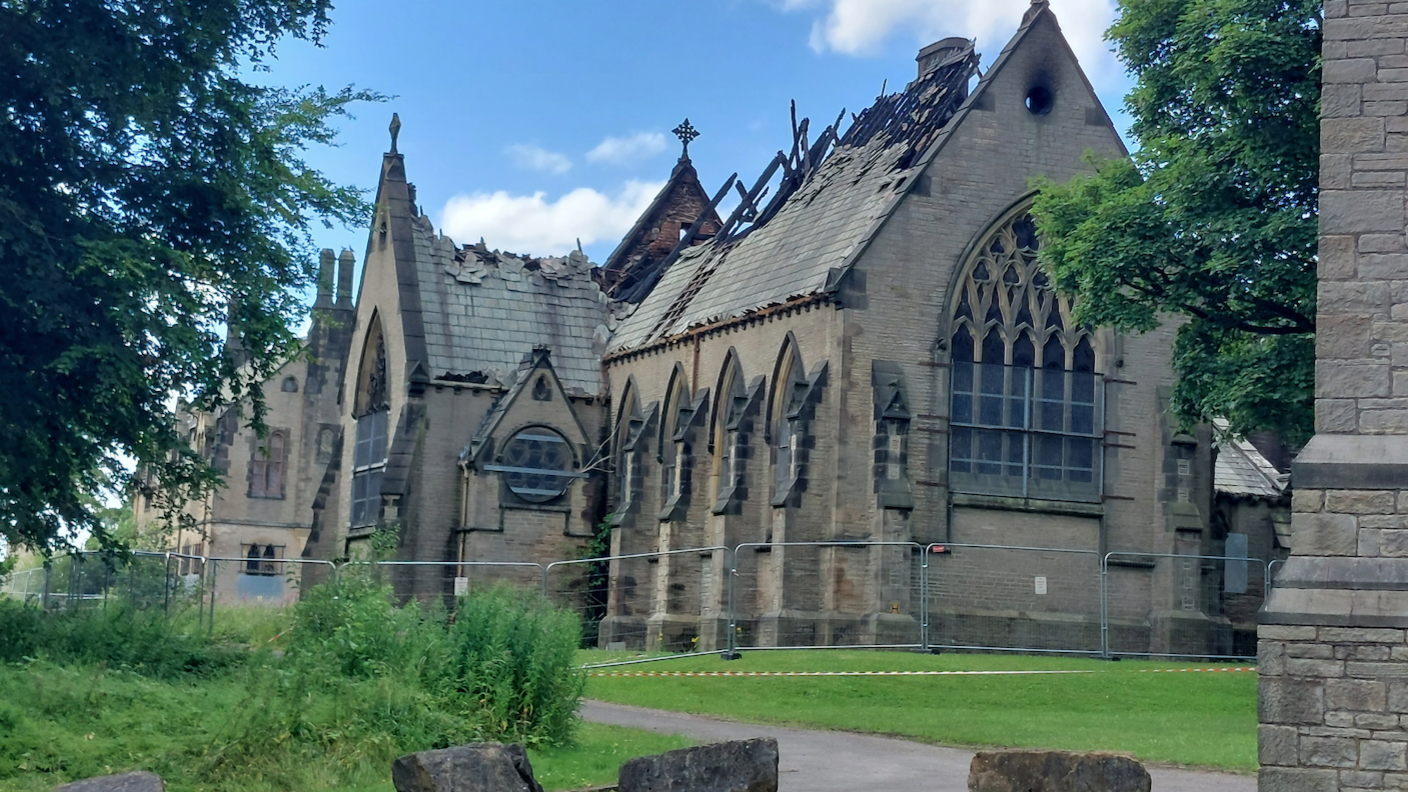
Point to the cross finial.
(685, 132)
(395, 130)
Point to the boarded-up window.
(267, 468)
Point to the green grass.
(1198, 719)
(59, 724)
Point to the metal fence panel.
(1013, 598)
(826, 594)
(447, 580)
(674, 601)
(1208, 619)
(26, 585)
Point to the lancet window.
(1025, 410)
(786, 424)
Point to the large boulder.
(124, 782)
(478, 767)
(738, 766)
(1055, 771)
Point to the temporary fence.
(668, 600)
(26, 585)
(756, 595)
(1013, 599)
(1171, 605)
(428, 580)
(826, 595)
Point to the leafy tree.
(146, 188)
(1213, 220)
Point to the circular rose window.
(537, 464)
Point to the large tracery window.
(1025, 412)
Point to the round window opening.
(1039, 100)
(537, 464)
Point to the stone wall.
(1332, 634)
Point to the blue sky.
(535, 123)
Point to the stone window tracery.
(1025, 401)
(537, 464)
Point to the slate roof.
(1242, 470)
(485, 310)
(800, 250)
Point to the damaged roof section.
(1241, 470)
(483, 310)
(780, 247)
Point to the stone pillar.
(1333, 658)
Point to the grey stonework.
(1333, 655)
(302, 407)
(735, 766)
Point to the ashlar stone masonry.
(1333, 654)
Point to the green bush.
(513, 657)
(504, 666)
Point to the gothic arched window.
(370, 448)
(732, 426)
(673, 424)
(785, 422)
(1025, 404)
(629, 424)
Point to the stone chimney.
(938, 53)
(345, 264)
(325, 283)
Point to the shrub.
(513, 657)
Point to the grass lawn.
(59, 724)
(1202, 719)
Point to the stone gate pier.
(1333, 705)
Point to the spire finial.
(395, 130)
(685, 132)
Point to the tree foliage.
(146, 188)
(1213, 218)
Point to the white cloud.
(628, 150)
(532, 224)
(859, 27)
(538, 159)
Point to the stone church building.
(864, 350)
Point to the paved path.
(823, 761)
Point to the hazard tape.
(1193, 670)
(632, 674)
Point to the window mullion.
(1027, 433)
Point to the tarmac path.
(828, 761)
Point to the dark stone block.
(125, 782)
(738, 766)
(1055, 771)
(478, 767)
